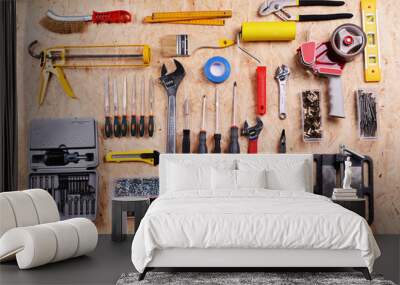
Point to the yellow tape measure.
(372, 68)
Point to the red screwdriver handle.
(252, 147)
(261, 90)
(117, 16)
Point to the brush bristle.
(168, 46)
(61, 27)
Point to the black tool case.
(63, 156)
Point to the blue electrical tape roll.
(217, 69)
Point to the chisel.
(217, 135)
(124, 122)
(186, 129)
(203, 133)
(150, 127)
(133, 108)
(234, 138)
(107, 124)
(117, 126)
(142, 95)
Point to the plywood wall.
(88, 87)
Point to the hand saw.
(146, 156)
(53, 60)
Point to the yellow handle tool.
(372, 68)
(147, 156)
(205, 22)
(186, 15)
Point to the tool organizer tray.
(63, 155)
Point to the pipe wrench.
(171, 83)
(282, 75)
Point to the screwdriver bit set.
(63, 159)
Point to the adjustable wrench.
(171, 83)
(282, 75)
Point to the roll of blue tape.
(217, 69)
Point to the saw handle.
(261, 90)
(117, 16)
(253, 146)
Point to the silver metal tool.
(108, 123)
(117, 125)
(142, 98)
(282, 75)
(124, 122)
(277, 7)
(150, 126)
(133, 108)
(217, 134)
(186, 128)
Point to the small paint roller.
(268, 31)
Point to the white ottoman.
(31, 232)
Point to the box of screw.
(311, 115)
(63, 157)
(367, 114)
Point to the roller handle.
(234, 144)
(217, 143)
(253, 146)
(202, 142)
(108, 127)
(141, 126)
(124, 126)
(186, 141)
(306, 18)
(320, 3)
(117, 16)
(117, 127)
(150, 127)
(261, 90)
(133, 126)
(336, 100)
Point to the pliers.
(277, 7)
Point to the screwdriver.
(234, 138)
(203, 134)
(141, 122)
(217, 135)
(108, 124)
(133, 108)
(124, 123)
(150, 127)
(186, 129)
(117, 126)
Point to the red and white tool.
(328, 60)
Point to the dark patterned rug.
(244, 278)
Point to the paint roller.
(258, 32)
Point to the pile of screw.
(312, 116)
(367, 113)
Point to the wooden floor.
(110, 260)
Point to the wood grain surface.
(88, 86)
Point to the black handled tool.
(134, 122)
(141, 120)
(124, 122)
(282, 142)
(203, 133)
(150, 126)
(234, 146)
(217, 135)
(117, 125)
(108, 123)
(186, 129)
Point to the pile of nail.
(367, 113)
(147, 187)
(312, 129)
